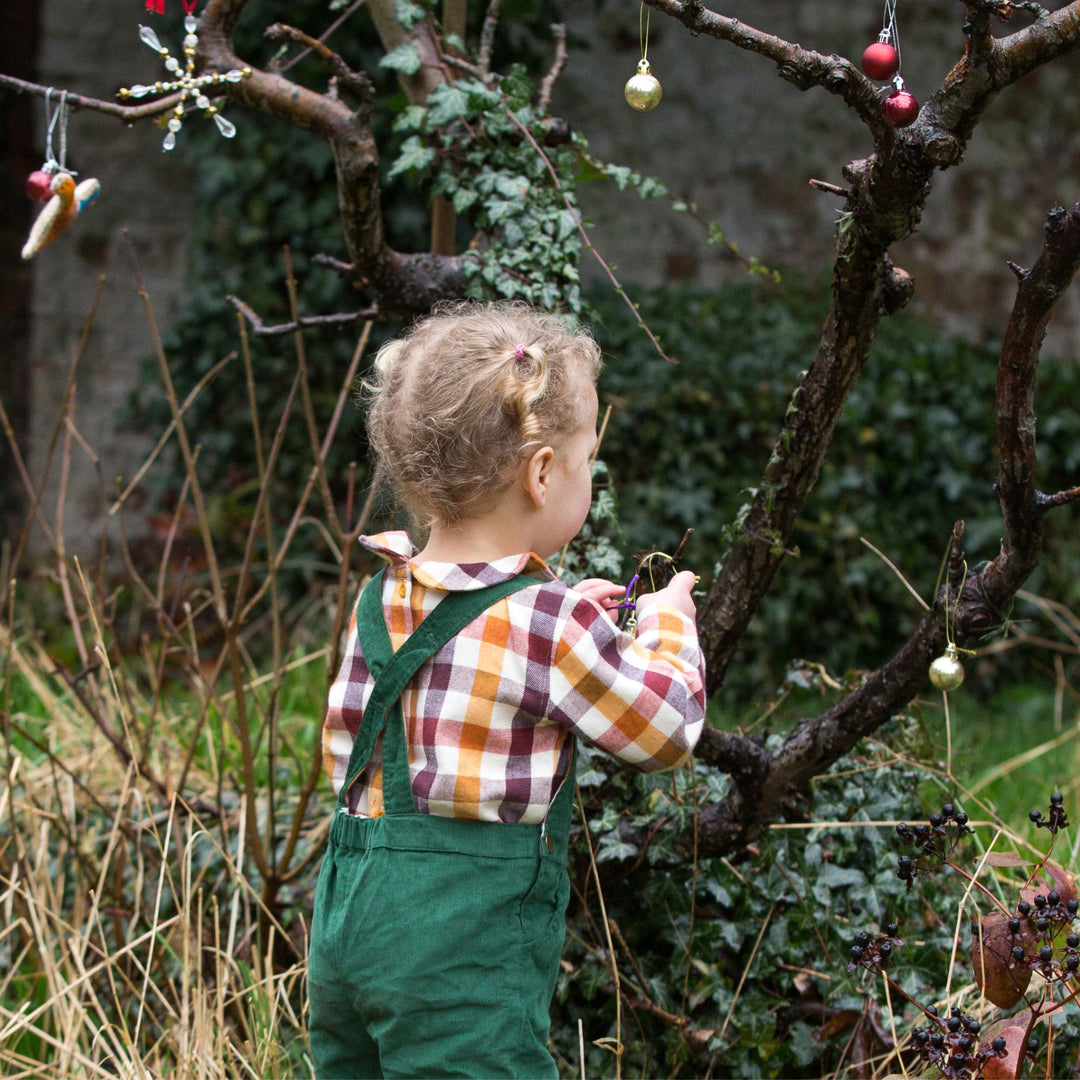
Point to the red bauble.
(37, 185)
(880, 61)
(900, 108)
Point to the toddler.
(469, 671)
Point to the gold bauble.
(946, 672)
(643, 91)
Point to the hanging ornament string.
(54, 183)
(58, 119)
(946, 672)
(890, 31)
(190, 85)
(39, 182)
(643, 91)
(881, 61)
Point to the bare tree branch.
(883, 204)
(558, 33)
(762, 783)
(403, 283)
(126, 113)
(358, 82)
(303, 322)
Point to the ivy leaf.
(408, 13)
(405, 58)
(511, 187)
(414, 157)
(448, 103)
(462, 199)
(481, 98)
(498, 210)
(411, 118)
(591, 778)
(611, 847)
(566, 225)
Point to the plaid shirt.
(491, 717)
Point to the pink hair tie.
(519, 352)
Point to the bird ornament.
(65, 202)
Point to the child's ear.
(538, 475)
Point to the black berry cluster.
(874, 953)
(1058, 819)
(934, 841)
(1035, 931)
(952, 1044)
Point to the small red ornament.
(37, 185)
(880, 61)
(900, 108)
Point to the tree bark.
(881, 205)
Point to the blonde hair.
(457, 399)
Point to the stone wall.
(142, 217)
(742, 144)
(730, 136)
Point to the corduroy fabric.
(435, 941)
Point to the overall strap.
(394, 670)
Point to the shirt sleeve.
(640, 699)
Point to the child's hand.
(602, 592)
(677, 594)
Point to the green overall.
(435, 941)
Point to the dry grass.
(160, 812)
(130, 944)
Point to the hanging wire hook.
(949, 639)
(890, 32)
(56, 118)
(51, 164)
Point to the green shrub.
(913, 453)
(736, 967)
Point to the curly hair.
(455, 401)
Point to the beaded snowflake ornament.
(190, 85)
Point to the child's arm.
(640, 699)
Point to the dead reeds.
(160, 818)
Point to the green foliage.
(747, 954)
(594, 551)
(474, 143)
(913, 452)
(471, 140)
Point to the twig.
(830, 189)
(35, 491)
(746, 970)
(896, 570)
(203, 382)
(487, 39)
(182, 437)
(302, 322)
(127, 113)
(607, 931)
(356, 81)
(558, 32)
(353, 7)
